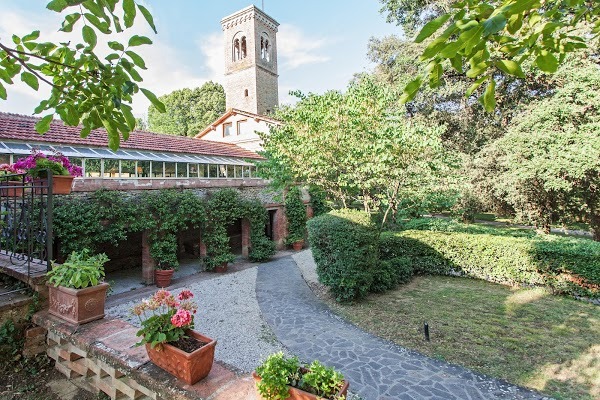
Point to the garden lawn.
(525, 336)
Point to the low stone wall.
(102, 356)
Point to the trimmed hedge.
(566, 265)
(344, 245)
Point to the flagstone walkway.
(376, 368)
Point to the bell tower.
(251, 79)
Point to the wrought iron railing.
(26, 221)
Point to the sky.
(321, 43)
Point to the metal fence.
(26, 222)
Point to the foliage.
(355, 146)
(318, 201)
(188, 111)
(295, 212)
(500, 36)
(11, 173)
(164, 317)
(166, 212)
(344, 245)
(11, 339)
(278, 372)
(548, 164)
(261, 248)
(106, 216)
(85, 90)
(563, 264)
(222, 211)
(80, 270)
(37, 163)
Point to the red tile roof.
(21, 128)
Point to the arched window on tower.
(243, 47)
(236, 50)
(265, 47)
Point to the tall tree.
(481, 38)
(548, 165)
(356, 146)
(84, 89)
(188, 111)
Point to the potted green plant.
(295, 211)
(164, 252)
(218, 251)
(63, 172)
(76, 288)
(280, 377)
(167, 324)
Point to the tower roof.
(249, 13)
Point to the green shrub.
(565, 265)
(295, 211)
(344, 245)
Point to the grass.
(525, 336)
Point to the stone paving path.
(376, 368)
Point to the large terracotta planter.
(189, 367)
(78, 306)
(298, 394)
(221, 268)
(297, 246)
(162, 278)
(61, 184)
(12, 189)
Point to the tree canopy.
(188, 111)
(481, 38)
(85, 90)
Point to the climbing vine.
(109, 216)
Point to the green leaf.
(43, 124)
(5, 77)
(494, 24)
(2, 92)
(137, 40)
(137, 60)
(116, 46)
(30, 79)
(89, 35)
(128, 116)
(477, 70)
(547, 62)
(70, 20)
(57, 5)
(148, 17)
(457, 63)
(431, 27)
(130, 10)
(154, 100)
(411, 90)
(32, 36)
(475, 86)
(510, 67)
(113, 135)
(435, 75)
(102, 26)
(489, 96)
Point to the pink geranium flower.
(181, 318)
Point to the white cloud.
(295, 48)
(211, 47)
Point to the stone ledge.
(103, 353)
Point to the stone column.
(148, 262)
(245, 237)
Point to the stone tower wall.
(253, 73)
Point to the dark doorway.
(234, 231)
(270, 224)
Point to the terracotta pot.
(12, 189)
(162, 278)
(78, 306)
(297, 246)
(221, 268)
(298, 394)
(61, 184)
(189, 367)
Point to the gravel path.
(229, 312)
(376, 368)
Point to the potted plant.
(10, 180)
(167, 332)
(296, 241)
(76, 288)
(63, 172)
(295, 211)
(164, 252)
(281, 377)
(218, 251)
